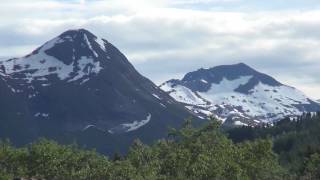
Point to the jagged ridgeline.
(78, 87)
(239, 95)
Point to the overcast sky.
(165, 39)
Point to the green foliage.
(49, 160)
(260, 162)
(296, 142)
(312, 168)
(46, 159)
(11, 160)
(189, 153)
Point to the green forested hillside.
(288, 150)
(297, 143)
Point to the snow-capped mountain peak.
(73, 44)
(82, 88)
(202, 79)
(238, 92)
(73, 55)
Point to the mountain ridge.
(216, 74)
(73, 88)
(238, 94)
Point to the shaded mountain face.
(238, 95)
(78, 87)
(202, 79)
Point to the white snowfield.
(136, 124)
(156, 96)
(41, 115)
(128, 127)
(239, 123)
(264, 102)
(182, 94)
(42, 64)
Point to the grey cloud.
(163, 46)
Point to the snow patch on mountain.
(101, 43)
(226, 85)
(88, 126)
(182, 94)
(136, 124)
(37, 66)
(239, 123)
(204, 81)
(238, 93)
(90, 46)
(45, 115)
(87, 66)
(263, 99)
(156, 96)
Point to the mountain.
(238, 95)
(78, 87)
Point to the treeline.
(288, 150)
(188, 153)
(297, 143)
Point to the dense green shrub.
(297, 143)
(187, 153)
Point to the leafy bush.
(188, 153)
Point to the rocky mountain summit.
(78, 87)
(238, 95)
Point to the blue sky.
(165, 39)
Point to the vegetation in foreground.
(297, 143)
(188, 153)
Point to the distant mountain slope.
(80, 87)
(238, 95)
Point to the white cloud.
(165, 41)
(187, 2)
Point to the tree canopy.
(204, 153)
